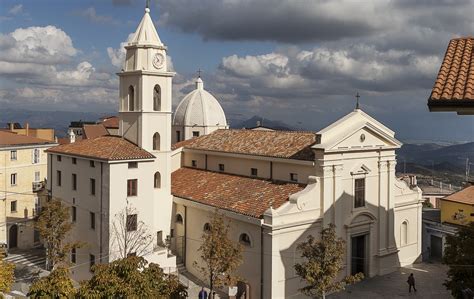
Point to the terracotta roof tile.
(247, 196)
(281, 144)
(8, 138)
(111, 122)
(455, 81)
(465, 195)
(94, 131)
(103, 148)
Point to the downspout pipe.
(261, 262)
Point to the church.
(169, 172)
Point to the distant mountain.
(446, 163)
(58, 120)
(254, 120)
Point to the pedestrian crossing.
(25, 259)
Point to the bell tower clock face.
(158, 60)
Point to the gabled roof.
(465, 196)
(111, 122)
(110, 148)
(9, 139)
(278, 144)
(454, 86)
(243, 195)
(94, 131)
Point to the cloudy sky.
(298, 61)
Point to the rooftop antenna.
(357, 103)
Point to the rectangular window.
(58, 158)
(253, 172)
(178, 136)
(131, 223)
(132, 186)
(195, 133)
(92, 163)
(13, 155)
(91, 261)
(13, 179)
(73, 255)
(359, 193)
(294, 177)
(221, 167)
(92, 216)
(36, 156)
(92, 183)
(73, 214)
(159, 237)
(74, 161)
(58, 177)
(37, 176)
(194, 163)
(132, 165)
(13, 206)
(74, 181)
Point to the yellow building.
(23, 170)
(42, 133)
(458, 208)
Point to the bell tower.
(145, 119)
(145, 90)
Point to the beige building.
(23, 170)
(41, 133)
(277, 187)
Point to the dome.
(199, 108)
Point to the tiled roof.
(103, 148)
(466, 196)
(281, 144)
(94, 131)
(111, 122)
(244, 195)
(8, 139)
(455, 81)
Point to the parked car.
(3, 250)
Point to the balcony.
(38, 186)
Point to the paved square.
(429, 284)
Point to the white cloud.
(16, 9)
(91, 14)
(40, 45)
(117, 56)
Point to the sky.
(297, 61)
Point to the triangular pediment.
(356, 131)
(366, 137)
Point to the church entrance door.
(359, 254)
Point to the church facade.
(275, 187)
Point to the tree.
(323, 260)
(130, 278)
(221, 256)
(130, 235)
(54, 225)
(459, 256)
(7, 275)
(56, 285)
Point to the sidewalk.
(429, 283)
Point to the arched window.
(179, 218)
(207, 228)
(244, 239)
(131, 98)
(404, 233)
(156, 141)
(157, 98)
(157, 180)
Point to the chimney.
(11, 126)
(72, 136)
(413, 181)
(27, 129)
(259, 124)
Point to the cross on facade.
(147, 3)
(199, 73)
(357, 103)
